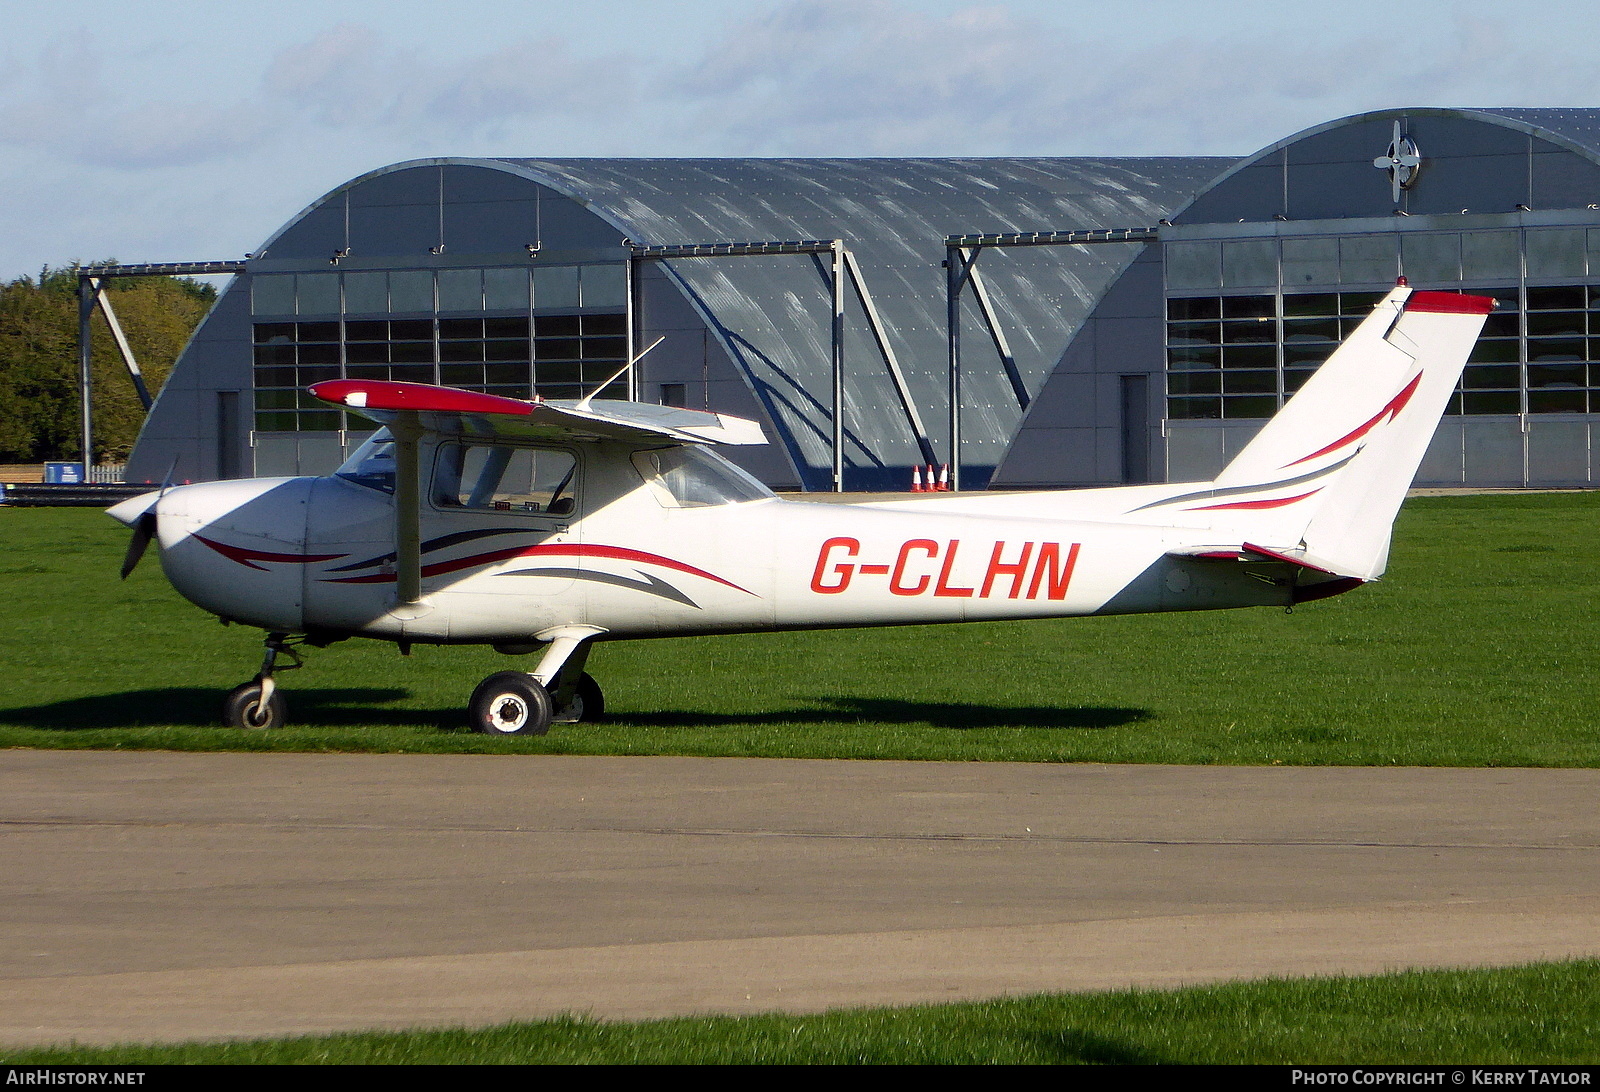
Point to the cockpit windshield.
(373, 463)
(689, 476)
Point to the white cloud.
(838, 77)
(352, 77)
(61, 103)
(349, 79)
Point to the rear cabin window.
(501, 478)
(692, 477)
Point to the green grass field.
(1543, 1014)
(1479, 648)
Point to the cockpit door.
(503, 509)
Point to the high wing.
(469, 413)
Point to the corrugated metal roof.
(1578, 128)
(894, 215)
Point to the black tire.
(586, 705)
(510, 703)
(243, 709)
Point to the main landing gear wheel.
(510, 703)
(245, 709)
(586, 704)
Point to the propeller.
(143, 531)
(144, 527)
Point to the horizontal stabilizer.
(1249, 551)
(472, 413)
(1252, 552)
(1303, 577)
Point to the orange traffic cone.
(944, 478)
(916, 479)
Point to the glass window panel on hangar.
(505, 289)
(1431, 258)
(1369, 259)
(1249, 263)
(1490, 255)
(1195, 265)
(272, 294)
(366, 293)
(460, 290)
(1555, 253)
(1310, 261)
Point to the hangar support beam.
(886, 350)
(97, 290)
(842, 267)
(961, 260)
(92, 292)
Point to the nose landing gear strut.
(258, 704)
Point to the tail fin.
(1333, 405)
(1327, 475)
(1351, 528)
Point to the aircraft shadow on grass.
(845, 710)
(352, 707)
(195, 706)
(1072, 1045)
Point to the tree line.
(39, 360)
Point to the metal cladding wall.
(746, 335)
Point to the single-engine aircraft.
(476, 519)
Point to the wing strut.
(407, 430)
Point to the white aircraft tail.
(1322, 482)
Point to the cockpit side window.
(689, 476)
(503, 478)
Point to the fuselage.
(634, 552)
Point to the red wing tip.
(424, 397)
(1449, 303)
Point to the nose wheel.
(253, 706)
(258, 703)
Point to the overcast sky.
(183, 130)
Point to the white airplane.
(476, 519)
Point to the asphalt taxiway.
(156, 896)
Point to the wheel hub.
(510, 713)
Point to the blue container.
(63, 473)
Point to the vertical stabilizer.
(1361, 375)
(1326, 476)
(1351, 527)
